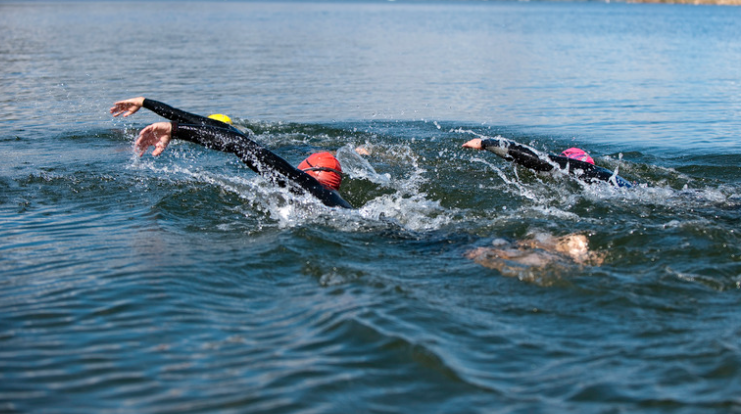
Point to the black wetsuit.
(529, 158)
(223, 137)
(173, 114)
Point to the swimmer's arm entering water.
(257, 158)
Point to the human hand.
(127, 107)
(362, 151)
(157, 134)
(474, 143)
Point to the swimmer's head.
(325, 168)
(577, 154)
(221, 117)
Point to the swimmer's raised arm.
(129, 107)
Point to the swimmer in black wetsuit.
(320, 174)
(575, 160)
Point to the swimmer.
(319, 175)
(575, 160)
(536, 252)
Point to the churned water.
(187, 284)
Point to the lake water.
(187, 284)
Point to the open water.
(187, 284)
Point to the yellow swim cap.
(221, 117)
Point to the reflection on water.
(538, 257)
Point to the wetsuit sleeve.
(257, 158)
(518, 153)
(177, 115)
(529, 158)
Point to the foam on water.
(405, 206)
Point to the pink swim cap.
(578, 154)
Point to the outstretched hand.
(127, 107)
(157, 134)
(474, 143)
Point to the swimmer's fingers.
(157, 135)
(127, 107)
(474, 144)
(362, 151)
(123, 108)
(145, 139)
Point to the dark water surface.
(186, 284)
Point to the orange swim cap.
(325, 168)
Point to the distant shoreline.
(695, 2)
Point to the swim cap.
(221, 117)
(577, 154)
(325, 168)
